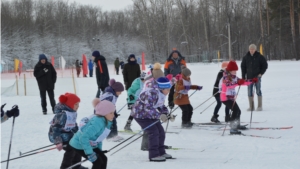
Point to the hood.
(179, 55)
(99, 58)
(110, 90)
(61, 107)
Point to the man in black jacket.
(254, 65)
(45, 75)
(102, 73)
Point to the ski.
(271, 128)
(223, 123)
(136, 132)
(251, 135)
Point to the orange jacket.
(179, 98)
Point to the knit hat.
(117, 86)
(232, 66)
(157, 72)
(96, 53)
(224, 64)
(42, 56)
(185, 71)
(69, 99)
(103, 107)
(163, 83)
(131, 56)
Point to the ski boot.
(44, 111)
(227, 118)
(186, 125)
(167, 156)
(158, 159)
(214, 119)
(127, 126)
(234, 127)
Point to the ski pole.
(35, 149)
(12, 130)
(30, 154)
(206, 100)
(127, 145)
(208, 107)
(252, 104)
(79, 163)
(121, 108)
(231, 109)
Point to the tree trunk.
(292, 18)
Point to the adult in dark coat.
(102, 74)
(254, 65)
(117, 65)
(45, 75)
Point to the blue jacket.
(91, 65)
(109, 95)
(57, 133)
(90, 132)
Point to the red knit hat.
(232, 66)
(69, 99)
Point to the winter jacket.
(217, 82)
(63, 125)
(94, 128)
(45, 80)
(181, 89)
(254, 65)
(131, 71)
(135, 90)
(109, 95)
(122, 64)
(174, 66)
(228, 86)
(78, 64)
(117, 63)
(91, 65)
(102, 73)
(149, 105)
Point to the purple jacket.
(150, 105)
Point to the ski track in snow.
(200, 148)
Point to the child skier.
(216, 94)
(63, 127)
(133, 93)
(88, 141)
(111, 93)
(147, 110)
(229, 82)
(14, 112)
(181, 97)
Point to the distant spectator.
(117, 65)
(78, 67)
(91, 67)
(122, 64)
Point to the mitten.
(254, 80)
(187, 87)
(59, 146)
(131, 97)
(2, 111)
(171, 105)
(169, 76)
(46, 70)
(172, 117)
(199, 87)
(93, 157)
(241, 81)
(163, 117)
(13, 112)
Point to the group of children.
(147, 96)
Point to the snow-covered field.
(201, 147)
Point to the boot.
(251, 104)
(259, 106)
(167, 156)
(214, 119)
(127, 126)
(234, 127)
(158, 159)
(186, 125)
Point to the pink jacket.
(228, 87)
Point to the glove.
(254, 80)
(241, 81)
(172, 117)
(199, 87)
(13, 112)
(59, 146)
(131, 97)
(46, 70)
(129, 106)
(171, 105)
(187, 87)
(93, 157)
(163, 117)
(2, 112)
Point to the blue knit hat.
(96, 53)
(42, 56)
(163, 83)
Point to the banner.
(17, 62)
(52, 60)
(84, 66)
(143, 61)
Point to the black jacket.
(130, 73)
(102, 74)
(216, 86)
(254, 65)
(46, 80)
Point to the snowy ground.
(200, 148)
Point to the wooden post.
(17, 85)
(73, 81)
(25, 84)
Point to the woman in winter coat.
(88, 141)
(63, 126)
(147, 110)
(228, 94)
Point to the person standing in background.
(117, 65)
(91, 68)
(78, 67)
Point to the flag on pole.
(261, 49)
(17, 62)
(20, 68)
(52, 60)
(84, 66)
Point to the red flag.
(84, 66)
(52, 60)
(143, 61)
(20, 67)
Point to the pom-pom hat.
(69, 99)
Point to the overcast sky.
(106, 5)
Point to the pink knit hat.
(104, 107)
